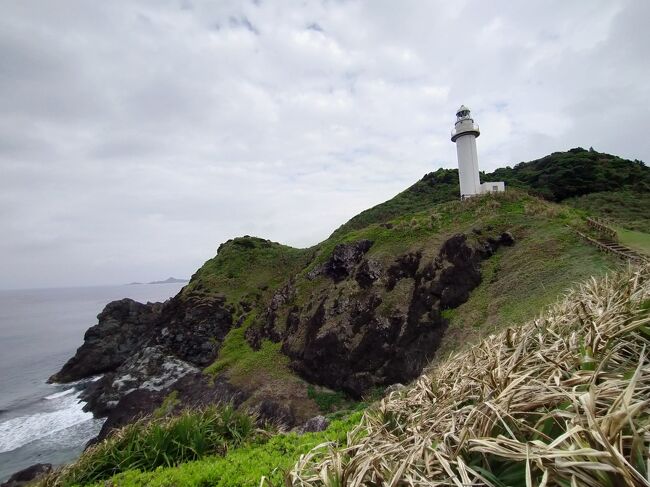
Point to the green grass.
(520, 281)
(240, 360)
(639, 241)
(433, 188)
(161, 442)
(630, 210)
(246, 270)
(241, 466)
(327, 401)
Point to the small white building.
(494, 187)
(464, 135)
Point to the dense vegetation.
(576, 172)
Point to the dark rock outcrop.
(123, 327)
(405, 266)
(349, 343)
(145, 351)
(369, 271)
(193, 328)
(315, 424)
(280, 298)
(194, 390)
(190, 328)
(343, 260)
(150, 369)
(28, 475)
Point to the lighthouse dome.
(461, 110)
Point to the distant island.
(169, 280)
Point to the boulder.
(345, 258)
(123, 327)
(190, 328)
(28, 475)
(151, 369)
(315, 424)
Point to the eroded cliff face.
(373, 326)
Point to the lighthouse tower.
(464, 134)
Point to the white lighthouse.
(464, 135)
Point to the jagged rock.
(275, 412)
(151, 369)
(280, 298)
(405, 266)
(344, 259)
(346, 343)
(194, 390)
(507, 239)
(194, 327)
(315, 424)
(123, 327)
(28, 475)
(369, 271)
(191, 329)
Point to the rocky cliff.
(370, 323)
(289, 332)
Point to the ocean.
(39, 330)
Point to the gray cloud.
(137, 136)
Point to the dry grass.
(562, 400)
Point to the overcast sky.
(135, 136)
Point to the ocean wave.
(60, 394)
(19, 431)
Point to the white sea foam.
(17, 432)
(60, 394)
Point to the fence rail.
(602, 226)
(614, 248)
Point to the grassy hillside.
(630, 210)
(245, 270)
(598, 183)
(546, 260)
(433, 188)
